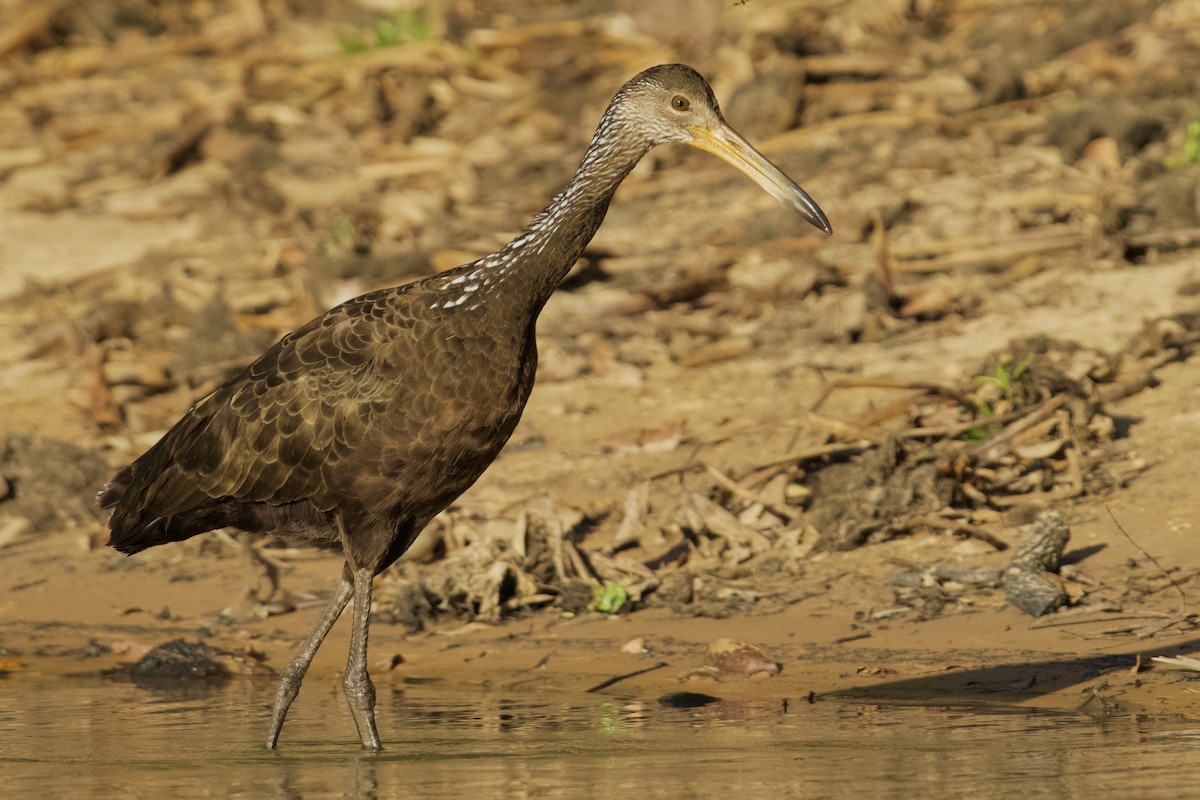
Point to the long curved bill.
(727, 143)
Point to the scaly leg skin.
(293, 673)
(360, 692)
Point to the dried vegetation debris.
(1031, 429)
(1029, 432)
(962, 158)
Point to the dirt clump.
(49, 485)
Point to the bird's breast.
(445, 424)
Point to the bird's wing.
(274, 432)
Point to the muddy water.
(104, 739)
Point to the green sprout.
(406, 25)
(1005, 381)
(339, 238)
(350, 44)
(609, 598)
(1191, 148)
(980, 433)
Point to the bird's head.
(673, 103)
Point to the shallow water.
(112, 739)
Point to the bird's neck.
(544, 253)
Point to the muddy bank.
(740, 431)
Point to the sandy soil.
(180, 188)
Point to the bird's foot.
(370, 739)
(360, 694)
(289, 686)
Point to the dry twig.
(1153, 560)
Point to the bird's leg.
(293, 673)
(360, 692)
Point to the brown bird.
(353, 431)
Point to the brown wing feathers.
(272, 434)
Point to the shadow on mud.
(1016, 682)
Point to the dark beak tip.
(821, 222)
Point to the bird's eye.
(680, 103)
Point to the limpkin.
(353, 431)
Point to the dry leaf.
(738, 658)
(1039, 450)
(635, 646)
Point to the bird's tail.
(126, 535)
(133, 527)
(115, 489)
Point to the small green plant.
(609, 598)
(339, 238)
(1005, 381)
(406, 25)
(351, 44)
(1191, 148)
(980, 433)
